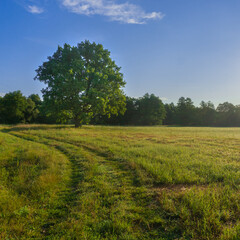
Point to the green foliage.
(151, 110)
(16, 108)
(185, 111)
(147, 110)
(1, 109)
(207, 114)
(30, 112)
(82, 81)
(186, 114)
(36, 99)
(227, 114)
(13, 107)
(170, 114)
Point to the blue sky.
(170, 48)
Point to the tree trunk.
(78, 122)
(78, 125)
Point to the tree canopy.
(151, 110)
(16, 108)
(146, 110)
(82, 81)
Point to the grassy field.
(57, 182)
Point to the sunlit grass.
(31, 176)
(120, 182)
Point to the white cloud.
(164, 98)
(125, 12)
(2, 94)
(34, 9)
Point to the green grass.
(57, 182)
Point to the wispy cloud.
(125, 12)
(34, 9)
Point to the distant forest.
(148, 110)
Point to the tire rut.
(108, 158)
(68, 198)
(125, 182)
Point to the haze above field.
(169, 48)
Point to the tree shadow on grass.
(19, 128)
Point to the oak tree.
(82, 81)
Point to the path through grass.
(132, 183)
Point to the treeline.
(186, 114)
(148, 110)
(16, 108)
